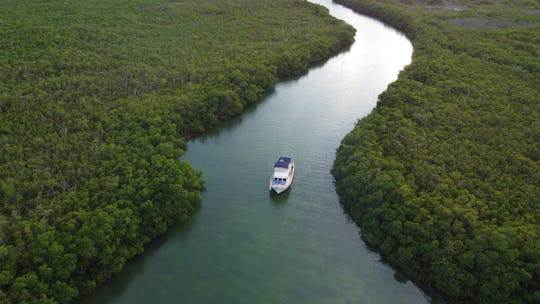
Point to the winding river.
(248, 246)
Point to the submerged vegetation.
(97, 99)
(444, 176)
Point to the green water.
(246, 245)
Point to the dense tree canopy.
(97, 99)
(444, 176)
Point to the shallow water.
(246, 245)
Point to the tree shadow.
(118, 283)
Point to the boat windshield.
(281, 181)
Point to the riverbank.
(443, 176)
(247, 246)
(97, 101)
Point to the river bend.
(247, 246)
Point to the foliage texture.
(97, 99)
(444, 176)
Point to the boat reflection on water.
(279, 199)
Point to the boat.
(283, 175)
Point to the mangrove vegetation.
(97, 99)
(444, 176)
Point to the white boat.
(283, 174)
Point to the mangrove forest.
(443, 177)
(97, 100)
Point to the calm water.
(248, 246)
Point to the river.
(246, 245)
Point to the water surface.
(246, 245)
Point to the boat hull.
(278, 190)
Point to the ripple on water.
(247, 245)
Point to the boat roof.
(281, 174)
(283, 162)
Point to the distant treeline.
(97, 99)
(444, 176)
